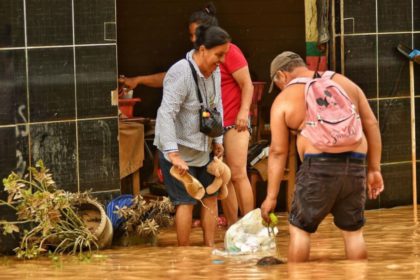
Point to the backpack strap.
(304, 80)
(328, 74)
(316, 73)
(300, 80)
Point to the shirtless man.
(326, 182)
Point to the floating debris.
(269, 261)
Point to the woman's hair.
(205, 16)
(210, 36)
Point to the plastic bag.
(249, 235)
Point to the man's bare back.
(291, 104)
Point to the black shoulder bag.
(210, 119)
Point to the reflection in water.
(391, 235)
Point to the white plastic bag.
(249, 235)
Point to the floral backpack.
(331, 121)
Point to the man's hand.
(218, 150)
(375, 184)
(178, 162)
(268, 206)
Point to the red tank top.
(231, 92)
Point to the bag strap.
(305, 80)
(300, 80)
(194, 73)
(328, 74)
(316, 74)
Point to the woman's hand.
(178, 162)
(242, 120)
(218, 150)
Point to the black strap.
(194, 73)
(316, 74)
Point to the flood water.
(392, 237)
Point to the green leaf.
(9, 228)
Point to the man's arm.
(277, 159)
(373, 136)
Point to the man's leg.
(236, 151)
(183, 222)
(354, 244)
(209, 219)
(299, 245)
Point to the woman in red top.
(237, 90)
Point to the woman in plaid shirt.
(177, 133)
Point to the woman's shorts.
(176, 189)
(229, 127)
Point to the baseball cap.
(279, 62)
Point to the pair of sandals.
(193, 187)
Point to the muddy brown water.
(392, 237)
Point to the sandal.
(193, 187)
